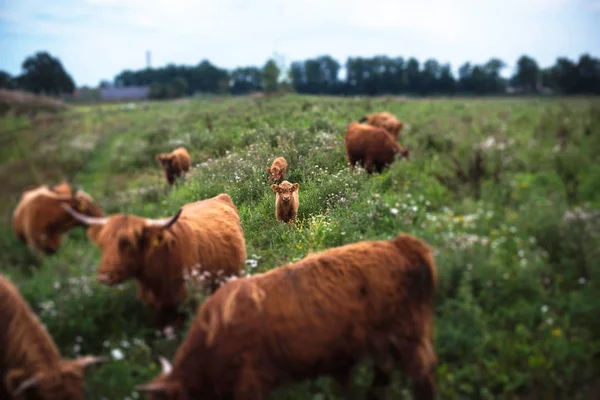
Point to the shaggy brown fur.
(175, 163)
(277, 170)
(286, 201)
(205, 237)
(372, 147)
(40, 221)
(28, 351)
(319, 316)
(385, 120)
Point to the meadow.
(507, 192)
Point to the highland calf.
(31, 366)
(372, 147)
(277, 170)
(385, 120)
(175, 163)
(286, 201)
(40, 221)
(204, 237)
(319, 316)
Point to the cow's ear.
(274, 188)
(295, 187)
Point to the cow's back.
(218, 234)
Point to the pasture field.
(507, 192)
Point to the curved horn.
(164, 223)
(26, 384)
(88, 361)
(84, 219)
(165, 365)
(151, 388)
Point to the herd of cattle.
(319, 316)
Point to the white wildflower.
(117, 354)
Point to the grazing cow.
(205, 236)
(286, 201)
(371, 147)
(277, 170)
(31, 366)
(319, 316)
(385, 120)
(40, 221)
(175, 163)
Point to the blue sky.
(96, 39)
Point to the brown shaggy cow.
(31, 366)
(385, 120)
(39, 220)
(205, 236)
(371, 147)
(286, 201)
(277, 170)
(175, 163)
(319, 316)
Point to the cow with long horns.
(31, 366)
(204, 237)
(40, 221)
(319, 316)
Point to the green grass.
(518, 304)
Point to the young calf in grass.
(277, 170)
(175, 163)
(286, 201)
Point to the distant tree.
(446, 82)
(178, 87)
(104, 84)
(245, 80)
(527, 74)
(158, 91)
(43, 73)
(588, 69)
(6, 81)
(270, 76)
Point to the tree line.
(379, 75)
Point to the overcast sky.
(96, 39)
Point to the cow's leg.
(381, 380)
(249, 385)
(418, 360)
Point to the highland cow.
(372, 147)
(385, 120)
(319, 316)
(175, 163)
(31, 366)
(39, 221)
(204, 237)
(286, 201)
(277, 170)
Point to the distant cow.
(385, 120)
(372, 147)
(277, 170)
(205, 236)
(175, 163)
(319, 316)
(286, 201)
(31, 366)
(40, 221)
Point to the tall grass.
(506, 191)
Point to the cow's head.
(274, 173)
(64, 382)
(164, 387)
(393, 126)
(126, 241)
(285, 190)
